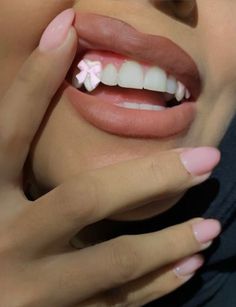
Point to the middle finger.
(106, 191)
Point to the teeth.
(131, 75)
(151, 107)
(171, 85)
(76, 83)
(180, 93)
(88, 84)
(129, 105)
(110, 75)
(155, 80)
(187, 94)
(142, 106)
(90, 74)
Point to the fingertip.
(200, 160)
(57, 31)
(187, 267)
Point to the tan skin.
(25, 23)
(202, 40)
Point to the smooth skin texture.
(38, 265)
(66, 144)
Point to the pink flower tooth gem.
(90, 74)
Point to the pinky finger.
(150, 287)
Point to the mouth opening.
(133, 98)
(144, 64)
(128, 84)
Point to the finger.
(98, 194)
(150, 287)
(26, 101)
(113, 263)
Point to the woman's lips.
(98, 32)
(128, 122)
(104, 33)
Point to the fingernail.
(206, 230)
(57, 31)
(188, 266)
(201, 160)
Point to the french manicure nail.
(188, 266)
(206, 230)
(201, 160)
(57, 31)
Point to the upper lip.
(110, 34)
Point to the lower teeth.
(140, 106)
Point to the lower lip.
(111, 118)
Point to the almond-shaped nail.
(187, 267)
(206, 231)
(57, 31)
(201, 160)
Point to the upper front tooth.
(171, 85)
(88, 84)
(109, 75)
(131, 75)
(155, 80)
(90, 74)
(180, 93)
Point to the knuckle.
(187, 239)
(172, 243)
(29, 73)
(168, 173)
(182, 241)
(124, 260)
(191, 238)
(159, 174)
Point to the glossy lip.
(98, 32)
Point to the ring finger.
(114, 263)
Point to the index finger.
(26, 101)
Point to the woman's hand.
(38, 266)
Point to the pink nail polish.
(188, 266)
(57, 31)
(206, 230)
(201, 160)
